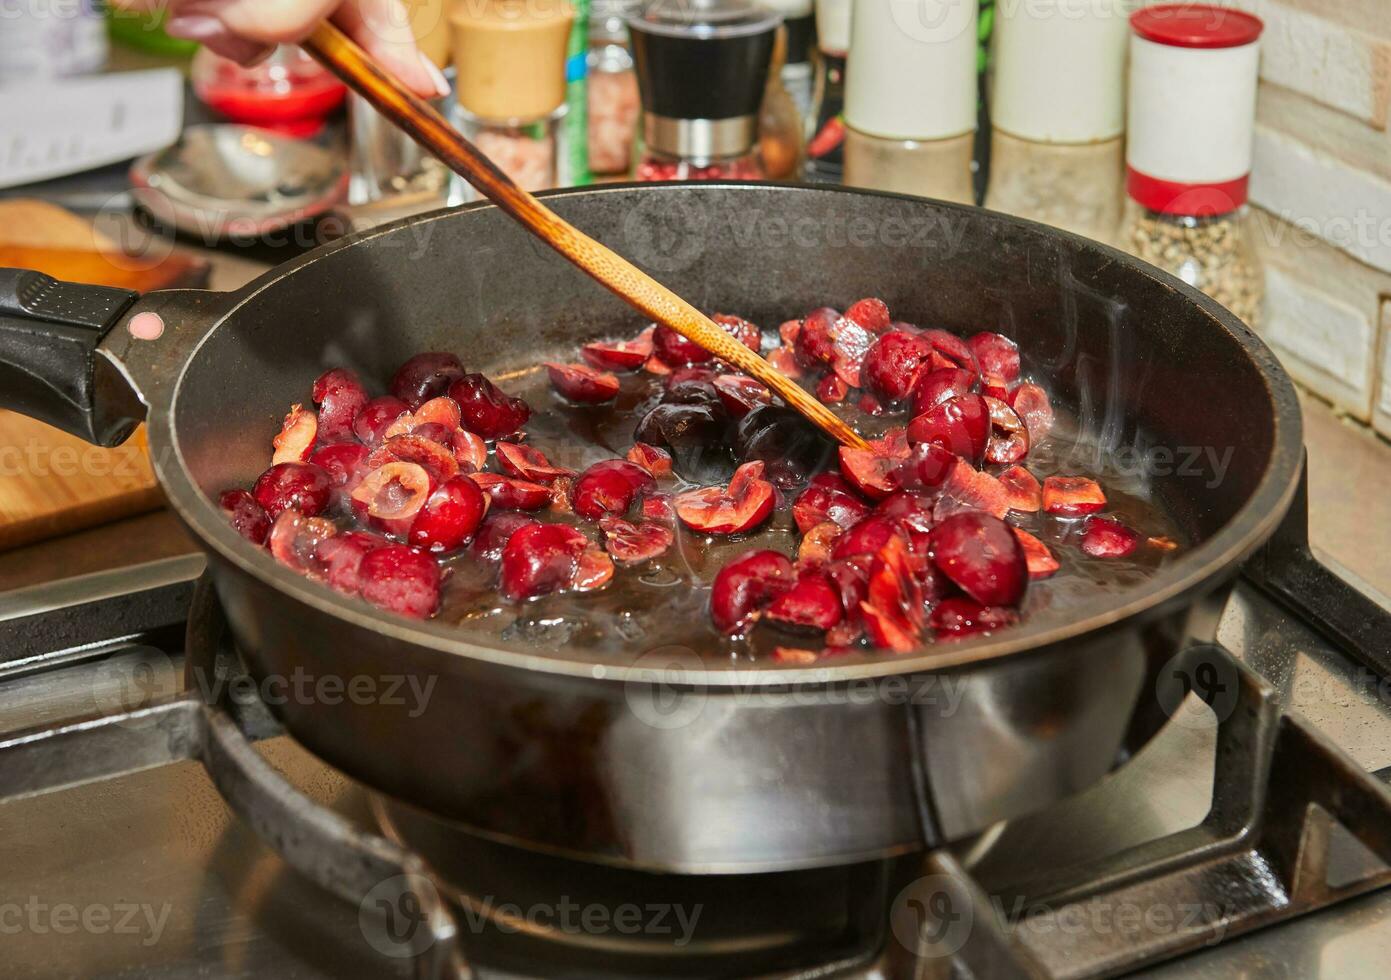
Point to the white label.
(65, 126)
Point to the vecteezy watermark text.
(35, 916)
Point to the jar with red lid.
(1193, 79)
(288, 92)
(693, 129)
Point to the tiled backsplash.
(1323, 176)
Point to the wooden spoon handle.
(419, 119)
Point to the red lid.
(1194, 200)
(1186, 25)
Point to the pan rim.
(1195, 572)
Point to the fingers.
(384, 31)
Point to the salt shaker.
(702, 69)
(911, 96)
(1057, 109)
(1193, 78)
(509, 63)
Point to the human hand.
(246, 30)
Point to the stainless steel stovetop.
(150, 874)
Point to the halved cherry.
(742, 506)
(339, 396)
(874, 471)
(788, 330)
(741, 330)
(653, 459)
(1072, 496)
(817, 542)
(982, 556)
(486, 409)
(340, 559)
(655, 365)
(425, 376)
(893, 591)
(540, 559)
(832, 390)
(994, 387)
(527, 463)
(936, 387)
(1009, 440)
(952, 349)
(812, 604)
(394, 492)
(633, 543)
(294, 539)
(966, 489)
(450, 516)
(344, 462)
(1105, 537)
(851, 343)
(675, 350)
(496, 530)
(745, 586)
(302, 486)
(958, 618)
(1037, 557)
(815, 342)
(819, 503)
(657, 507)
(512, 494)
(1024, 490)
(622, 355)
(927, 467)
(996, 354)
(470, 451)
(894, 364)
(784, 361)
(1030, 403)
(436, 458)
(583, 384)
(887, 633)
(594, 569)
(401, 580)
(961, 424)
(245, 515)
(740, 393)
(914, 514)
(871, 313)
(868, 536)
(609, 487)
(441, 410)
(376, 417)
(295, 440)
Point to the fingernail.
(194, 27)
(436, 76)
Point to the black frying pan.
(530, 745)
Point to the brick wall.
(1322, 184)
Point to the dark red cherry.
(812, 604)
(496, 530)
(743, 505)
(583, 384)
(960, 424)
(745, 586)
(425, 376)
(815, 343)
(634, 543)
(245, 515)
(1103, 537)
(871, 313)
(376, 417)
(340, 559)
(540, 559)
(676, 350)
(339, 397)
(450, 516)
(982, 556)
(609, 487)
(486, 409)
(818, 504)
(894, 364)
(957, 617)
(997, 355)
(402, 580)
(936, 387)
(303, 486)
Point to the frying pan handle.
(49, 368)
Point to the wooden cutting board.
(52, 483)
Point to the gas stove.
(157, 822)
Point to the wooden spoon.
(360, 72)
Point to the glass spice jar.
(826, 128)
(1193, 78)
(614, 105)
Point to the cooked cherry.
(401, 580)
(817, 542)
(997, 355)
(1030, 403)
(609, 487)
(696, 435)
(927, 467)
(981, 555)
(741, 330)
(394, 491)
(527, 463)
(832, 390)
(294, 539)
(821, 503)
(743, 505)
(894, 364)
(955, 618)
(633, 543)
(886, 632)
(745, 586)
(295, 440)
(815, 343)
(1025, 492)
(867, 537)
(870, 405)
(583, 384)
(486, 409)
(245, 515)
(782, 438)
(675, 350)
(344, 462)
(938, 386)
(812, 604)
(436, 457)
(657, 507)
(1072, 496)
(740, 393)
(871, 313)
(340, 559)
(784, 361)
(951, 349)
(450, 516)
(913, 512)
(1009, 440)
(339, 396)
(623, 355)
(496, 530)
(960, 424)
(893, 603)
(470, 452)
(993, 387)
(376, 417)
(303, 486)
(1103, 537)
(540, 559)
(425, 376)
(653, 459)
(872, 473)
(1039, 559)
(967, 488)
(852, 343)
(512, 494)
